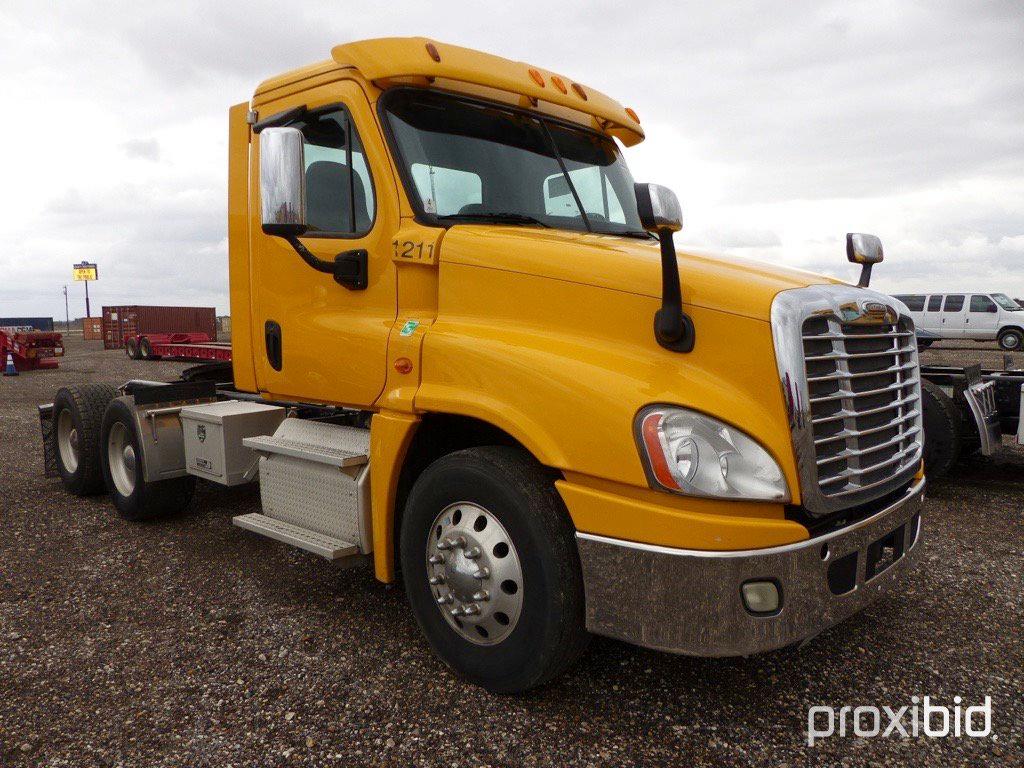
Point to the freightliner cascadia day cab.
(465, 350)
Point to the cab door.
(318, 340)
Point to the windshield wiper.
(501, 217)
(637, 233)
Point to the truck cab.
(556, 424)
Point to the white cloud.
(782, 127)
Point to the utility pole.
(88, 314)
(67, 315)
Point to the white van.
(978, 316)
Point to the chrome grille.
(862, 383)
(848, 360)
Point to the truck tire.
(146, 350)
(131, 348)
(491, 570)
(121, 460)
(942, 437)
(1012, 340)
(77, 418)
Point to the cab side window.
(954, 303)
(934, 303)
(339, 190)
(982, 304)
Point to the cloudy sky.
(780, 125)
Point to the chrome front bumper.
(689, 601)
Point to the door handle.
(272, 339)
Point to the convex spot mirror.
(863, 249)
(282, 181)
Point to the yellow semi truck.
(466, 351)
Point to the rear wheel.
(942, 436)
(146, 350)
(1011, 340)
(490, 566)
(77, 419)
(123, 471)
(131, 348)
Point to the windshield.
(1006, 302)
(478, 162)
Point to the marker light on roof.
(432, 50)
(559, 83)
(538, 78)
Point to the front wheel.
(491, 570)
(1011, 340)
(121, 458)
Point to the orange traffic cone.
(10, 370)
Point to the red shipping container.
(129, 320)
(92, 328)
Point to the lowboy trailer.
(32, 350)
(177, 346)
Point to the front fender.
(564, 368)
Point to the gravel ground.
(190, 642)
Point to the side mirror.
(282, 181)
(658, 207)
(865, 250)
(660, 213)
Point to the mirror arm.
(865, 275)
(318, 264)
(673, 328)
(349, 268)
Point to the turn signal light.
(403, 365)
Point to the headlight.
(693, 454)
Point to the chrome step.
(303, 538)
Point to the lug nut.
(435, 580)
(445, 600)
(444, 544)
(458, 542)
(483, 595)
(482, 573)
(473, 553)
(470, 609)
(436, 559)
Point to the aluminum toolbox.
(213, 438)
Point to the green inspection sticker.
(409, 327)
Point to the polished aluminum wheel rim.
(67, 441)
(121, 459)
(474, 573)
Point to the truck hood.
(724, 283)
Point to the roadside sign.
(84, 271)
